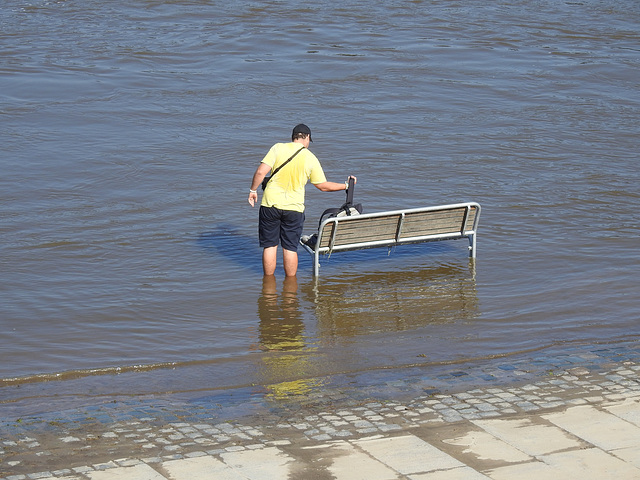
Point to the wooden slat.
(357, 230)
(439, 222)
(472, 217)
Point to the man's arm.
(333, 186)
(261, 172)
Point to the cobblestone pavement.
(531, 419)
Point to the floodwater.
(130, 132)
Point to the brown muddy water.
(130, 131)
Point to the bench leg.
(472, 246)
(316, 263)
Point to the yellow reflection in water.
(282, 330)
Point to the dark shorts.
(280, 226)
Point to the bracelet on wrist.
(253, 191)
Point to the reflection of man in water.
(281, 325)
(285, 363)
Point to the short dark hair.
(295, 136)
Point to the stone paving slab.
(408, 454)
(350, 463)
(485, 446)
(627, 411)
(589, 464)
(577, 423)
(137, 472)
(462, 473)
(599, 428)
(528, 437)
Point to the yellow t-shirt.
(286, 190)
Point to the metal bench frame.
(398, 227)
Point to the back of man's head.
(301, 131)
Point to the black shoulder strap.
(287, 161)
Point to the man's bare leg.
(290, 260)
(269, 259)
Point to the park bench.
(393, 228)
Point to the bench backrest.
(398, 227)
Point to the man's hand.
(253, 197)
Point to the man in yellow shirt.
(281, 216)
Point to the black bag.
(266, 179)
(347, 209)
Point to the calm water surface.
(130, 133)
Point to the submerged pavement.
(575, 414)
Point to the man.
(281, 216)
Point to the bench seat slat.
(363, 230)
(433, 223)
